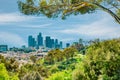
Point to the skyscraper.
(67, 44)
(48, 42)
(31, 41)
(56, 43)
(3, 48)
(39, 40)
(53, 43)
(61, 45)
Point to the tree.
(33, 58)
(52, 8)
(12, 65)
(79, 46)
(102, 62)
(63, 75)
(69, 52)
(2, 59)
(32, 76)
(54, 56)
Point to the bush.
(3, 72)
(32, 76)
(63, 75)
(78, 75)
(54, 69)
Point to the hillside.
(101, 61)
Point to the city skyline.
(48, 42)
(15, 27)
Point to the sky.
(15, 27)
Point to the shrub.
(3, 72)
(63, 75)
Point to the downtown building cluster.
(47, 43)
(36, 44)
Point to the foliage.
(11, 65)
(64, 75)
(80, 46)
(4, 75)
(52, 8)
(58, 55)
(54, 69)
(32, 76)
(3, 72)
(54, 56)
(78, 75)
(33, 69)
(65, 65)
(14, 77)
(2, 59)
(69, 52)
(102, 61)
(68, 64)
(33, 58)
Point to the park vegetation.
(99, 61)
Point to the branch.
(117, 19)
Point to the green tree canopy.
(54, 56)
(54, 8)
(102, 62)
(69, 52)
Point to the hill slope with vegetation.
(101, 61)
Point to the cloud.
(103, 28)
(36, 26)
(15, 17)
(67, 39)
(11, 39)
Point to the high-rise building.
(61, 45)
(39, 40)
(53, 43)
(31, 41)
(48, 42)
(67, 44)
(56, 43)
(80, 41)
(3, 48)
